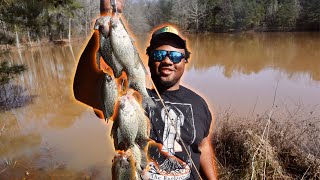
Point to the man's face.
(167, 74)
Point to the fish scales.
(130, 131)
(142, 120)
(109, 95)
(136, 153)
(125, 127)
(105, 49)
(123, 167)
(129, 58)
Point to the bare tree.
(180, 13)
(135, 15)
(196, 12)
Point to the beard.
(162, 83)
(167, 84)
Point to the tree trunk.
(29, 39)
(69, 35)
(17, 40)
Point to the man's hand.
(105, 6)
(207, 163)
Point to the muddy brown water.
(241, 72)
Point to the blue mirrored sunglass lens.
(159, 55)
(175, 56)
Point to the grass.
(263, 147)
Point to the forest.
(35, 20)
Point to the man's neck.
(162, 89)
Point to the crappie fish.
(144, 159)
(140, 159)
(136, 80)
(125, 127)
(123, 167)
(109, 96)
(105, 48)
(136, 153)
(128, 57)
(143, 124)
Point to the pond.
(245, 72)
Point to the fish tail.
(106, 115)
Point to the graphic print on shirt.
(169, 158)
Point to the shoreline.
(5, 48)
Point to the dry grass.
(263, 147)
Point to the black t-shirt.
(190, 120)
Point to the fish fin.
(105, 114)
(138, 61)
(148, 102)
(97, 24)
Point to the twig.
(6, 2)
(268, 127)
(252, 161)
(254, 107)
(264, 131)
(305, 173)
(2, 129)
(50, 177)
(3, 170)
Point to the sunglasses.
(160, 55)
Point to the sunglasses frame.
(168, 54)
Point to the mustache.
(167, 67)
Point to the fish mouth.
(115, 22)
(122, 105)
(108, 78)
(123, 101)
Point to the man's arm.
(88, 78)
(207, 163)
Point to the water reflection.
(12, 139)
(247, 53)
(240, 70)
(79, 138)
(49, 77)
(13, 96)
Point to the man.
(179, 131)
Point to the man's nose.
(167, 61)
